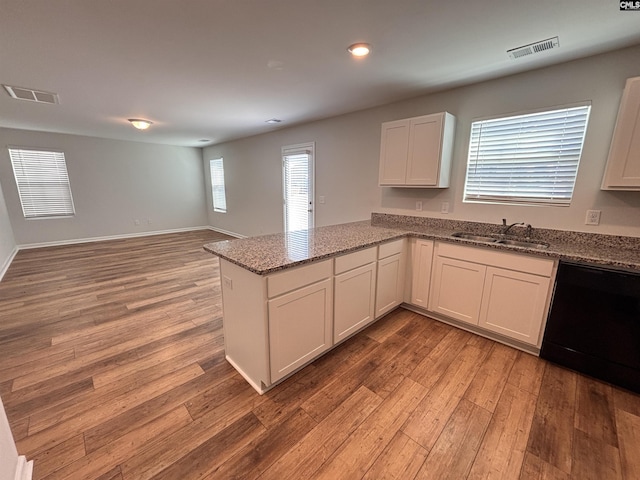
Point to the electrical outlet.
(136, 221)
(444, 208)
(321, 199)
(419, 205)
(593, 217)
(149, 221)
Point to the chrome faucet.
(506, 228)
(527, 235)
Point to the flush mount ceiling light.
(359, 49)
(140, 124)
(273, 121)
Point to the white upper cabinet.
(416, 152)
(623, 164)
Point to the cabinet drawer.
(390, 248)
(284, 282)
(355, 260)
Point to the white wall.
(344, 174)
(7, 241)
(347, 151)
(113, 183)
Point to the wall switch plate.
(321, 199)
(444, 208)
(593, 217)
(419, 205)
(136, 221)
(227, 282)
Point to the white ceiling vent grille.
(542, 46)
(21, 93)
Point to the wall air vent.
(532, 48)
(20, 93)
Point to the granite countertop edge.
(267, 254)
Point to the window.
(43, 183)
(217, 185)
(297, 172)
(526, 159)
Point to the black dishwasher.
(594, 323)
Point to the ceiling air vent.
(532, 48)
(21, 93)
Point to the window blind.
(43, 183)
(217, 185)
(531, 158)
(297, 191)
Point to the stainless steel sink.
(474, 237)
(522, 243)
(502, 241)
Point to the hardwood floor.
(112, 367)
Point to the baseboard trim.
(5, 266)
(258, 388)
(226, 232)
(27, 246)
(24, 469)
(7, 263)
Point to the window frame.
(560, 196)
(41, 203)
(215, 182)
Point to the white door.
(390, 284)
(297, 173)
(354, 300)
(422, 257)
(300, 327)
(456, 289)
(514, 304)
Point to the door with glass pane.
(297, 171)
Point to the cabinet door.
(394, 145)
(421, 260)
(299, 327)
(456, 289)
(390, 284)
(425, 138)
(623, 164)
(514, 304)
(354, 305)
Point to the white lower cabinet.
(391, 277)
(355, 293)
(502, 292)
(420, 281)
(275, 324)
(457, 289)
(300, 327)
(514, 304)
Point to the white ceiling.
(200, 69)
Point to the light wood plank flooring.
(112, 367)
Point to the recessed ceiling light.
(273, 120)
(359, 49)
(140, 124)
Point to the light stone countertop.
(270, 253)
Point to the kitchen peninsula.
(289, 298)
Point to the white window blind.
(43, 183)
(217, 185)
(298, 189)
(530, 159)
